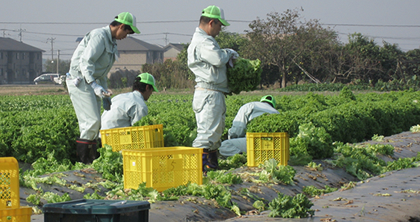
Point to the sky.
(54, 25)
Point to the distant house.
(134, 53)
(19, 62)
(172, 50)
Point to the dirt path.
(25, 90)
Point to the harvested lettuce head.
(244, 76)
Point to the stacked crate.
(133, 138)
(145, 159)
(10, 209)
(162, 168)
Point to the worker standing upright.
(87, 79)
(208, 63)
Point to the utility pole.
(166, 38)
(52, 47)
(20, 33)
(58, 59)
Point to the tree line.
(293, 51)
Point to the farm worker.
(208, 63)
(87, 79)
(236, 134)
(128, 108)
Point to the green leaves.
(233, 162)
(221, 176)
(244, 76)
(285, 206)
(312, 191)
(109, 163)
(315, 140)
(272, 171)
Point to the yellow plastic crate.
(21, 214)
(162, 168)
(9, 183)
(133, 138)
(264, 146)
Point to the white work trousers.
(210, 112)
(233, 146)
(87, 107)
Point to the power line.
(366, 25)
(188, 21)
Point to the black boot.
(86, 150)
(210, 160)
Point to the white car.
(47, 78)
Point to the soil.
(24, 90)
(393, 196)
(49, 89)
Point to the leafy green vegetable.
(361, 161)
(34, 199)
(219, 192)
(312, 191)
(109, 163)
(55, 198)
(288, 207)
(222, 176)
(94, 196)
(233, 162)
(347, 93)
(244, 76)
(315, 140)
(272, 171)
(259, 205)
(314, 166)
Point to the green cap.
(128, 19)
(148, 79)
(270, 99)
(213, 11)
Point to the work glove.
(106, 103)
(234, 54)
(99, 90)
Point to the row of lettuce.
(42, 129)
(33, 126)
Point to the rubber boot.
(86, 150)
(210, 160)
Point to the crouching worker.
(128, 108)
(236, 134)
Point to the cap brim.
(135, 29)
(154, 88)
(224, 22)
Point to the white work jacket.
(245, 114)
(208, 62)
(126, 110)
(94, 56)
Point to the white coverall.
(91, 61)
(126, 110)
(208, 62)
(237, 142)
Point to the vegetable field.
(40, 131)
